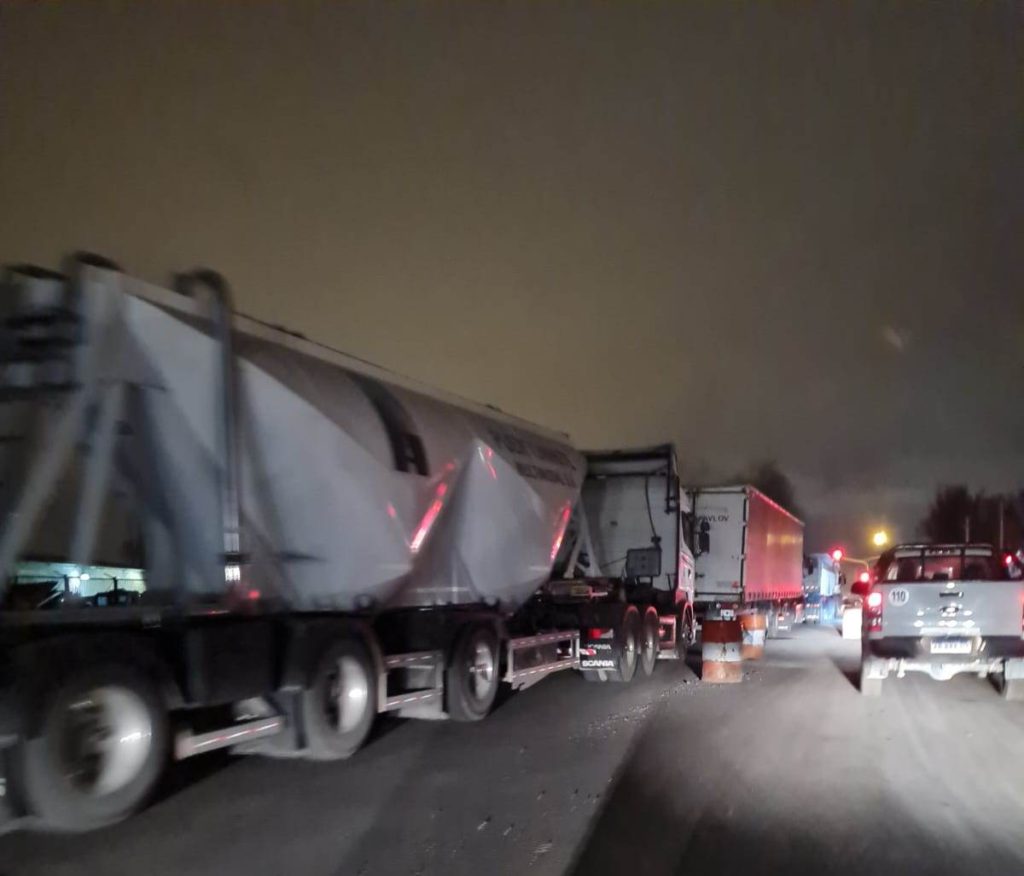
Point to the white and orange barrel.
(755, 629)
(721, 651)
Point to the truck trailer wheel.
(650, 642)
(340, 702)
(98, 748)
(471, 679)
(685, 635)
(627, 646)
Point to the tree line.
(955, 514)
(958, 514)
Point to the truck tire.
(339, 703)
(627, 640)
(684, 635)
(96, 751)
(650, 642)
(869, 687)
(471, 678)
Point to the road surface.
(790, 772)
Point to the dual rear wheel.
(339, 702)
(636, 647)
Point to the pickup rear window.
(942, 567)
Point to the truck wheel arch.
(42, 665)
(308, 639)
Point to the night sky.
(784, 231)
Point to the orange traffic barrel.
(755, 628)
(721, 651)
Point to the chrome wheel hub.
(481, 670)
(348, 695)
(104, 739)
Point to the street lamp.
(880, 539)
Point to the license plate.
(951, 646)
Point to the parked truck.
(218, 533)
(823, 589)
(749, 557)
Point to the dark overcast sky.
(786, 231)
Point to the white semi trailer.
(217, 533)
(749, 556)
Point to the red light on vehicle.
(837, 555)
(864, 577)
(875, 600)
(1008, 559)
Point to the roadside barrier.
(755, 629)
(721, 652)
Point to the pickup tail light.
(873, 612)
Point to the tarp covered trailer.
(215, 519)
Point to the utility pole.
(967, 528)
(1002, 523)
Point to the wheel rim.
(348, 695)
(104, 738)
(629, 650)
(650, 645)
(481, 670)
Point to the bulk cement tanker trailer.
(217, 533)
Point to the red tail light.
(873, 612)
(864, 577)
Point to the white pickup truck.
(943, 609)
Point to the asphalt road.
(790, 772)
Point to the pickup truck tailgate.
(951, 608)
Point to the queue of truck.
(217, 533)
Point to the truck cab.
(823, 591)
(944, 609)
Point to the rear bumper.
(919, 648)
(1002, 655)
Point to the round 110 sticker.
(899, 596)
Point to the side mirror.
(860, 588)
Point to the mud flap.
(873, 668)
(1013, 680)
(1013, 669)
(8, 814)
